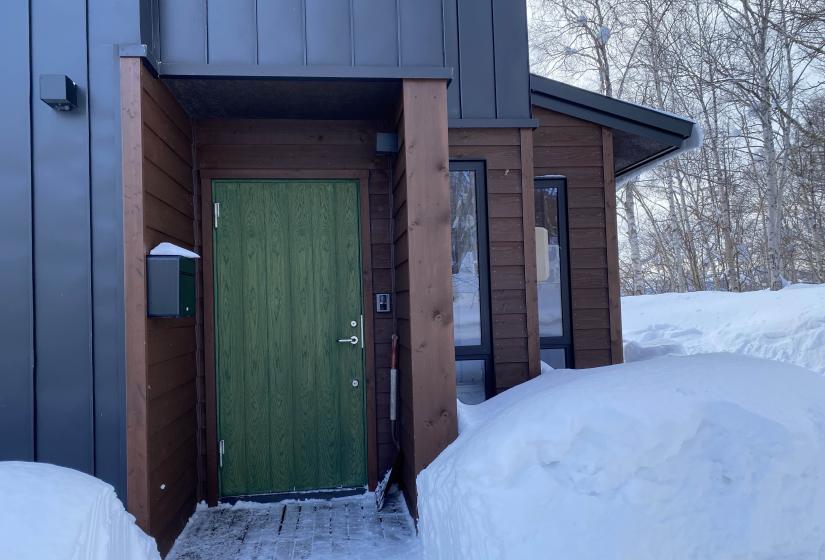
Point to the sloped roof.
(642, 137)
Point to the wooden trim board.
(134, 292)
(612, 238)
(529, 222)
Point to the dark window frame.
(483, 351)
(565, 341)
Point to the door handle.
(351, 340)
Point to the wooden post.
(134, 288)
(612, 238)
(530, 280)
(431, 390)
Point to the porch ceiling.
(286, 99)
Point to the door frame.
(207, 275)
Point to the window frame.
(565, 341)
(484, 351)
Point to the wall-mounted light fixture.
(386, 143)
(58, 92)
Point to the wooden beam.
(134, 293)
(432, 350)
(612, 237)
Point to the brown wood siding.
(583, 152)
(506, 153)
(158, 205)
(401, 299)
(261, 148)
(423, 290)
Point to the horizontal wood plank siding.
(582, 152)
(171, 343)
(161, 365)
(406, 417)
(506, 152)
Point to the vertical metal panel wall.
(61, 334)
(16, 304)
(486, 42)
(299, 37)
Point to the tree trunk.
(773, 200)
(633, 239)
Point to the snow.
(339, 528)
(546, 369)
(170, 249)
(51, 512)
(467, 303)
(678, 457)
(787, 325)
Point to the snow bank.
(788, 325)
(53, 513)
(172, 250)
(713, 456)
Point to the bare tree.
(746, 211)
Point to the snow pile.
(788, 325)
(53, 513)
(713, 456)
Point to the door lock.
(351, 340)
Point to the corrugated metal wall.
(61, 333)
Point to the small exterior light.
(386, 143)
(58, 92)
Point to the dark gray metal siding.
(16, 320)
(302, 38)
(482, 44)
(62, 300)
(61, 337)
(231, 31)
(422, 32)
(280, 32)
(374, 45)
(111, 22)
(486, 43)
(183, 31)
(512, 59)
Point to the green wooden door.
(287, 284)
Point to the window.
(552, 271)
(471, 284)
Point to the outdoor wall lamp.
(386, 143)
(58, 92)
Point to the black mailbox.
(170, 286)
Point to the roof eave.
(679, 134)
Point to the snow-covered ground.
(53, 513)
(336, 529)
(692, 457)
(788, 325)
